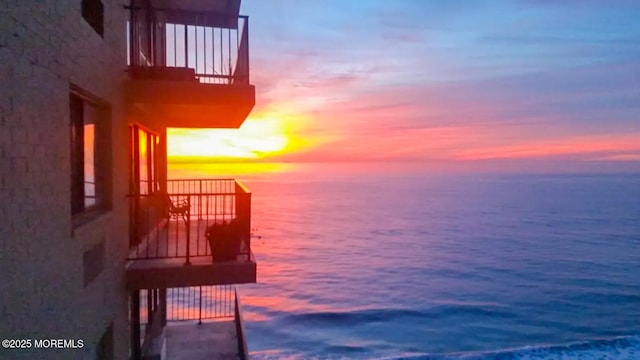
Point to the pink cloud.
(364, 115)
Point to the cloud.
(586, 148)
(618, 157)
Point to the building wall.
(45, 46)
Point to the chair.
(178, 209)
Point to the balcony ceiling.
(231, 7)
(185, 104)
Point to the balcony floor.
(209, 340)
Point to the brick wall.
(45, 45)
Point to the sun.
(257, 138)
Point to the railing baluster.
(204, 42)
(200, 192)
(214, 52)
(188, 231)
(199, 197)
(238, 55)
(186, 47)
(200, 305)
(196, 40)
(177, 238)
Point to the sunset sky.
(438, 81)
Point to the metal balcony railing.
(153, 309)
(195, 303)
(175, 223)
(209, 47)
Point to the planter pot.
(224, 241)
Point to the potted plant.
(224, 240)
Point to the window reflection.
(89, 165)
(143, 161)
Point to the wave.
(387, 314)
(620, 348)
(351, 317)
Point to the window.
(144, 176)
(93, 13)
(89, 132)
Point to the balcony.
(188, 323)
(188, 68)
(197, 232)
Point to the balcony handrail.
(216, 180)
(158, 193)
(183, 11)
(243, 187)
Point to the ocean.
(395, 262)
